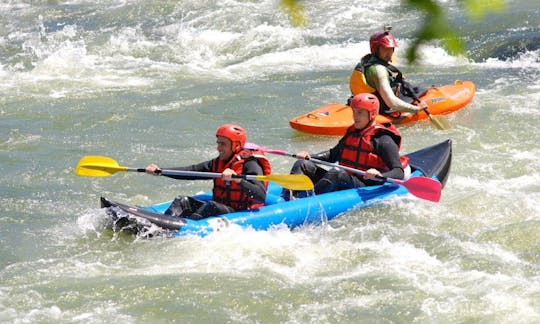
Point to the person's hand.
(303, 155)
(372, 174)
(153, 169)
(417, 107)
(422, 105)
(227, 175)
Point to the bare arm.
(154, 169)
(379, 77)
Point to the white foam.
(525, 60)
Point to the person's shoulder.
(379, 68)
(375, 71)
(382, 141)
(253, 162)
(383, 132)
(382, 135)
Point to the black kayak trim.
(161, 220)
(433, 161)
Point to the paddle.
(421, 187)
(102, 166)
(437, 121)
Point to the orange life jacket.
(357, 150)
(358, 83)
(231, 193)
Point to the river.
(150, 81)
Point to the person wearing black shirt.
(229, 194)
(367, 145)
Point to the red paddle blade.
(424, 187)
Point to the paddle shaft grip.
(198, 174)
(422, 187)
(415, 97)
(330, 164)
(353, 170)
(428, 114)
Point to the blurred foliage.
(435, 25)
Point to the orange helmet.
(234, 133)
(366, 101)
(381, 39)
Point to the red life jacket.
(357, 150)
(230, 193)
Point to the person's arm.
(385, 147)
(331, 155)
(378, 75)
(201, 167)
(253, 188)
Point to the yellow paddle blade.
(97, 166)
(439, 122)
(289, 181)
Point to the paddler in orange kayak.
(374, 74)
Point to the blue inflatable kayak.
(433, 162)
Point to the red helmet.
(384, 39)
(234, 133)
(366, 101)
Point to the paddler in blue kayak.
(367, 146)
(374, 74)
(229, 194)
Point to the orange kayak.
(335, 118)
